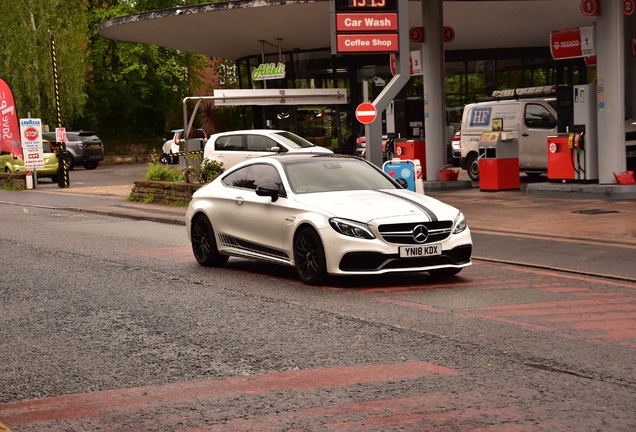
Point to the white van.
(533, 120)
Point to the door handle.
(239, 200)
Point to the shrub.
(158, 172)
(205, 171)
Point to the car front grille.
(403, 233)
(373, 261)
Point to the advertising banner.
(9, 127)
(572, 43)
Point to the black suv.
(84, 148)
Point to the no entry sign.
(366, 113)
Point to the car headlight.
(351, 228)
(460, 223)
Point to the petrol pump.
(573, 156)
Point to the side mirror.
(269, 189)
(275, 149)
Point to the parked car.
(12, 161)
(231, 148)
(325, 214)
(176, 145)
(83, 148)
(456, 147)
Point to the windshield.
(293, 141)
(324, 175)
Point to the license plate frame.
(418, 251)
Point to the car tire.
(54, 179)
(472, 166)
(70, 162)
(204, 243)
(445, 272)
(90, 165)
(309, 256)
(164, 159)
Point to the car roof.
(253, 131)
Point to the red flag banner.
(9, 125)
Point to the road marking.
(106, 406)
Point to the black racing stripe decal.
(432, 216)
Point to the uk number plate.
(420, 251)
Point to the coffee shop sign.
(268, 71)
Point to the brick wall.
(163, 192)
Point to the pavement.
(576, 233)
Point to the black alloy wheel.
(309, 256)
(70, 162)
(204, 243)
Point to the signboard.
(415, 63)
(628, 7)
(591, 7)
(366, 113)
(365, 5)
(269, 71)
(362, 43)
(365, 26)
(416, 34)
(60, 134)
(31, 135)
(449, 34)
(346, 22)
(572, 43)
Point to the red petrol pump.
(412, 149)
(499, 159)
(574, 156)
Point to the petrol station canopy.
(238, 29)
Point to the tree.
(25, 43)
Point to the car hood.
(368, 205)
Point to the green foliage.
(159, 172)
(205, 171)
(10, 186)
(121, 90)
(26, 61)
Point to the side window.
(538, 116)
(237, 178)
(252, 176)
(229, 143)
(261, 174)
(259, 143)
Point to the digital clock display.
(366, 5)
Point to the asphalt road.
(108, 323)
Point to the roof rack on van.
(540, 91)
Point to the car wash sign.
(364, 26)
(572, 43)
(31, 135)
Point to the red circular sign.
(366, 113)
(31, 134)
(628, 7)
(416, 34)
(449, 34)
(590, 7)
